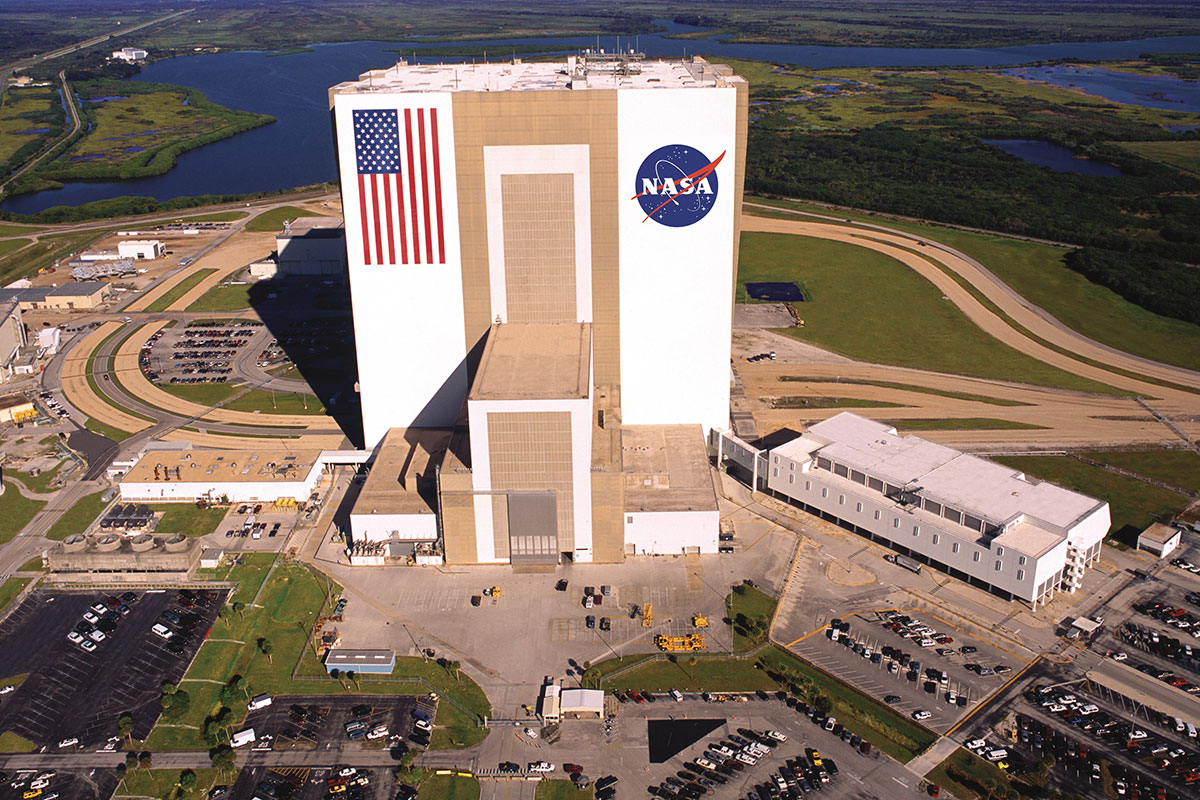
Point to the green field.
(272, 221)
(116, 434)
(12, 743)
(1133, 504)
(33, 565)
(289, 603)
(561, 790)
(142, 130)
(15, 511)
(26, 109)
(179, 290)
(218, 216)
(962, 424)
(10, 589)
(206, 394)
(9, 245)
(40, 484)
(851, 288)
(751, 611)
(26, 261)
(1178, 467)
(1037, 272)
(967, 776)
(187, 519)
(226, 297)
(163, 783)
(269, 402)
(798, 401)
(78, 517)
(449, 787)
(17, 230)
(1181, 155)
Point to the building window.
(824, 493)
(916, 530)
(954, 547)
(896, 522)
(1021, 560)
(933, 508)
(974, 523)
(952, 515)
(859, 508)
(792, 466)
(808, 486)
(823, 463)
(891, 491)
(858, 477)
(976, 558)
(841, 499)
(840, 470)
(791, 478)
(1020, 574)
(875, 483)
(629, 519)
(775, 472)
(776, 459)
(877, 514)
(999, 565)
(936, 538)
(999, 551)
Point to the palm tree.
(125, 727)
(265, 647)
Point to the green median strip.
(907, 387)
(179, 290)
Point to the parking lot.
(304, 783)
(306, 723)
(71, 693)
(915, 663)
(196, 352)
(93, 784)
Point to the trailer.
(910, 564)
(673, 644)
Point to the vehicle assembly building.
(982, 522)
(542, 261)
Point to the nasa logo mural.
(677, 185)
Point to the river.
(298, 149)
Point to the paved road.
(73, 111)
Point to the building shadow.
(309, 317)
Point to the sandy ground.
(80, 394)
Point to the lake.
(298, 149)
(1059, 159)
(1155, 91)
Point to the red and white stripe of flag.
(401, 214)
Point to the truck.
(912, 565)
(242, 738)
(261, 701)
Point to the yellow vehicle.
(493, 591)
(647, 615)
(700, 621)
(693, 641)
(32, 793)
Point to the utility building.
(542, 260)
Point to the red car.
(637, 698)
(572, 769)
(944, 639)
(1177, 681)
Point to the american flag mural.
(399, 186)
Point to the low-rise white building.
(129, 54)
(1159, 539)
(140, 248)
(239, 476)
(984, 523)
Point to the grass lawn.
(751, 611)
(219, 216)
(910, 387)
(1178, 467)
(967, 776)
(795, 401)
(561, 790)
(449, 787)
(116, 434)
(28, 260)
(162, 782)
(1133, 504)
(1181, 155)
(11, 588)
(32, 565)
(454, 730)
(891, 732)
(187, 519)
(289, 604)
(179, 290)
(78, 517)
(962, 424)
(17, 230)
(277, 403)
(851, 289)
(206, 394)
(12, 743)
(40, 484)
(14, 680)
(226, 297)
(9, 245)
(15, 511)
(1037, 272)
(273, 220)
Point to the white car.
(69, 742)
(704, 762)
(976, 744)
(97, 636)
(541, 766)
(162, 631)
(41, 783)
(74, 637)
(90, 617)
(7, 689)
(1120, 655)
(921, 714)
(531, 733)
(423, 725)
(378, 732)
(88, 646)
(777, 736)
(745, 758)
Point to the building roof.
(38, 294)
(666, 469)
(314, 227)
(402, 478)
(995, 493)
(582, 700)
(533, 361)
(359, 658)
(586, 71)
(1155, 534)
(224, 466)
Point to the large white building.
(982, 522)
(542, 260)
